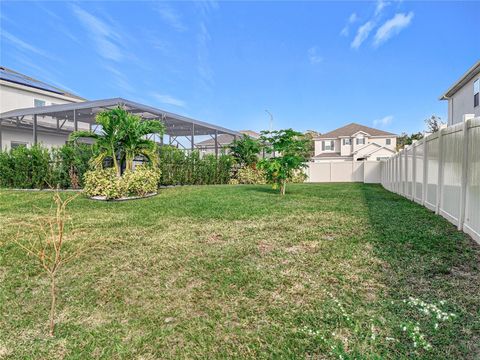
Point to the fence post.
(397, 185)
(440, 172)
(405, 183)
(330, 171)
(425, 170)
(464, 178)
(414, 171)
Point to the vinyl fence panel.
(472, 198)
(345, 171)
(442, 172)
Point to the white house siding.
(25, 136)
(383, 153)
(461, 103)
(15, 96)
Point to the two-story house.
(19, 91)
(354, 142)
(464, 96)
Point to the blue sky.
(314, 65)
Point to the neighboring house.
(224, 140)
(464, 96)
(354, 142)
(19, 91)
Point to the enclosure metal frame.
(84, 112)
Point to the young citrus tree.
(290, 150)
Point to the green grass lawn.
(239, 272)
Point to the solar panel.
(22, 80)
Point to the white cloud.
(170, 16)
(387, 120)
(381, 4)
(120, 80)
(346, 29)
(313, 56)
(362, 34)
(23, 45)
(106, 39)
(168, 99)
(203, 66)
(392, 27)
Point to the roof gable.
(469, 75)
(353, 128)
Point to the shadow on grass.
(427, 258)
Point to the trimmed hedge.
(181, 168)
(40, 168)
(64, 167)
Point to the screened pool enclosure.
(180, 131)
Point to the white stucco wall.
(461, 103)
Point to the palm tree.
(122, 137)
(134, 141)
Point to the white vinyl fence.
(344, 171)
(442, 172)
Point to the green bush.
(26, 168)
(298, 177)
(102, 182)
(249, 175)
(65, 167)
(70, 163)
(140, 182)
(181, 168)
(105, 182)
(38, 167)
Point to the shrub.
(298, 177)
(249, 175)
(105, 182)
(179, 167)
(38, 167)
(26, 168)
(71, 161)
(102, 182)
(141, 182)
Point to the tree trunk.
(53, 303)
(115, 163)
(283, 185)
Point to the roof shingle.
(350, 129)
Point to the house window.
(328, 145)
(16, 144)
(476, 92)
(360, 141)
(38, 103)
(388, 141)
(347, 141)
